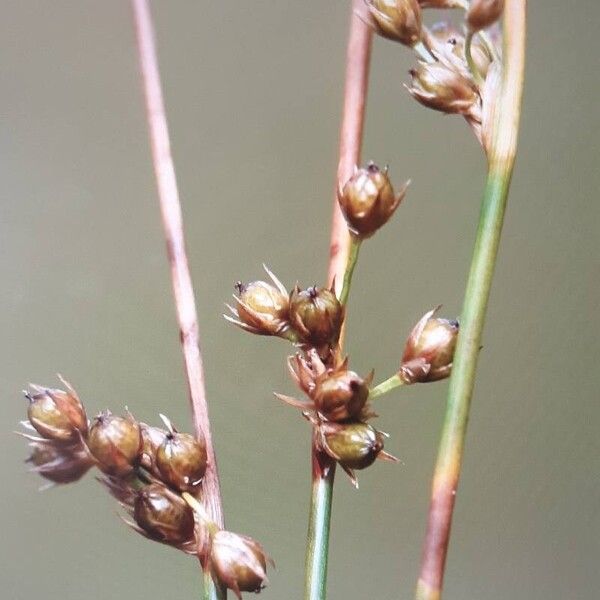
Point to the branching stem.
(386, 386)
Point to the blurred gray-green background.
(253, 91)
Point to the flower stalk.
(501, 161)
(341, 264)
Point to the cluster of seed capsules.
(457, 72)
(155, 473)
(336, 399)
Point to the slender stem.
(317, 548)
(173, 228)
(386, 386)
(502, 156)
(358, 55)
(352, 258)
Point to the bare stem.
(502, 157)
(173, 228)
(358, 57)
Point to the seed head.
(316, 314)
(261, 308)
(115, 442)
(354, 445)
(238, 562)
(181, 461)
(443, 87)
(56, 414)
(429, 350)
(397, 20)
(341, 395)
(367, 200)
(163, 515)
(483, 13)
(152, 440)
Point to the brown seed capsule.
(341, 395)
(115, 442)
(56, 414)
(181, 461)
(442, 87)
(429, 350)
(163, 515)
(353, 445)
(59, 463)
(261, 308)
(316, 315)
(483, 13)
(367, 200)
(397, 20)
(238, 562)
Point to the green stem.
(501, 161)
(386, 386)
(317, 546)
(211, 590)
(352, 259)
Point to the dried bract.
(429, 350)
(316, 315)
(368, 201)
(440, 3)
(115, 442)
(238, 562)
(483, 13)
(397, 20)
(57, 414)
(261, 308)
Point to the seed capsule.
(152, 440)
(429, 350)
(316, 314)
(261, 307)
(341, 395)
(442, 87)
(163, 515)
(397, 20)
(59, 464)
(115, 442)
(353, 445)
(56, 414)
(238, 562)
(181, 461)
(483, 13)
(367, 200)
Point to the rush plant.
(167, 481)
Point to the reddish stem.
(358, 56)
(173, 228)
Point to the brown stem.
(173, 229)
(358, 56)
